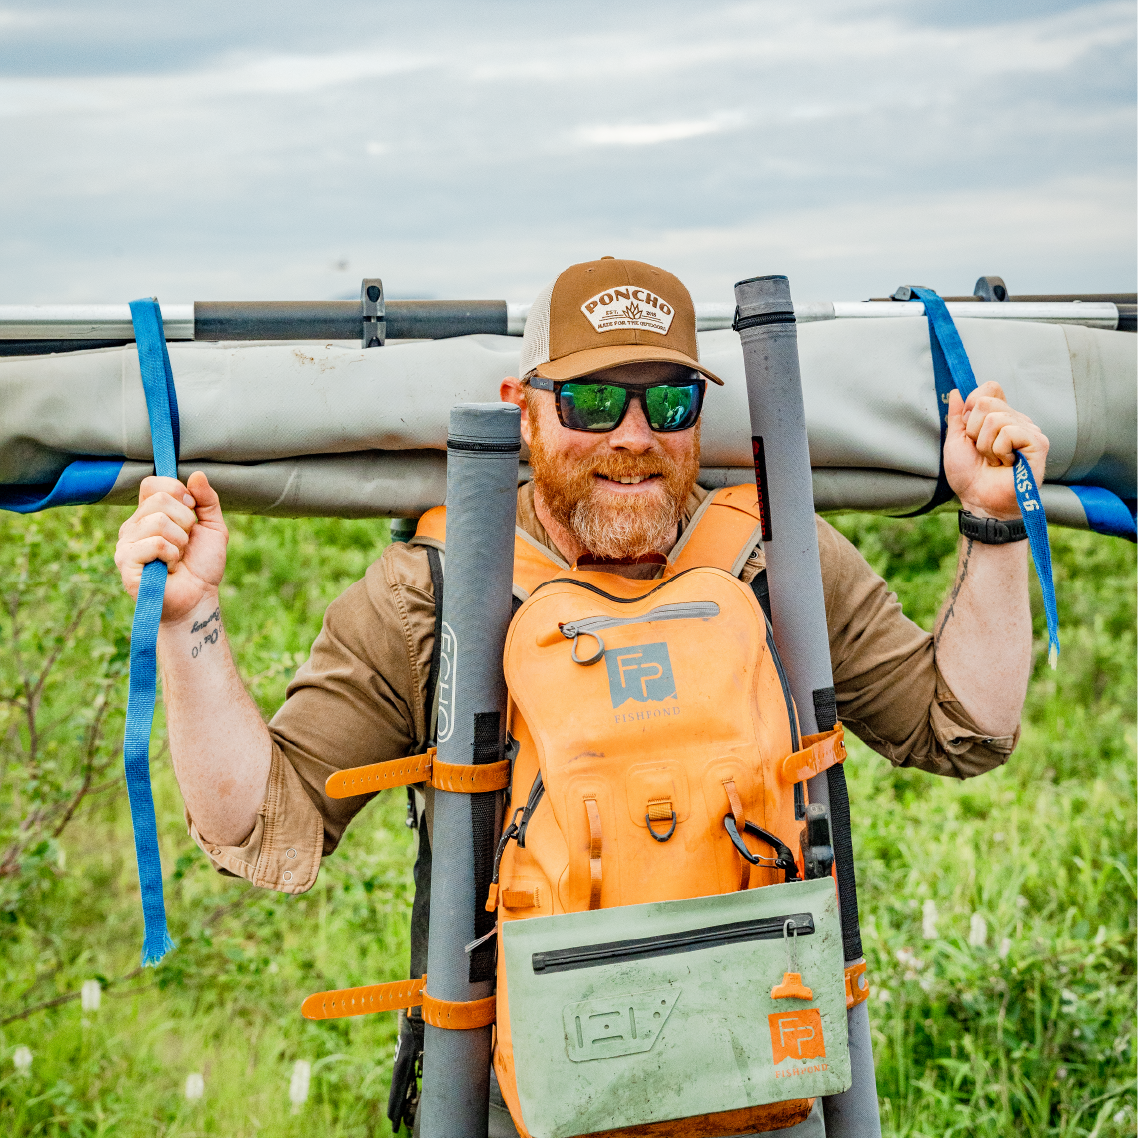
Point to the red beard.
(610, 527)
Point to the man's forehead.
(653, 371)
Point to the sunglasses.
(602, 406)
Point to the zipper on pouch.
(594, 625)
(669, 944)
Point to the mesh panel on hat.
(535, 342)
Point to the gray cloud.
(455, 149)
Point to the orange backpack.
(646, 713)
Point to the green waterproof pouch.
(645, 1013)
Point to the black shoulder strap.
(435, 562)
(762, 592)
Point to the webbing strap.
(596, 842)
(456, 1015)
(162, 407)
(459, 1015)
(952, 368)
(736, 804)
(1107, 512)
(458, 778)
(818, 754)
(344, 1002)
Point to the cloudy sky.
(236, 149)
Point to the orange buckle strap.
(857, 984)
(456, 1015)
(736, 804)
(459, 1015)
(819, 753)
(362, 1001)
(458, 778)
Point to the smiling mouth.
(629, 480)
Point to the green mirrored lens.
(672, 408)
(592, 406)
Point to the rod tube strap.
(459, 1015)
(458, 778)
(344, 1002)
(453, 1014)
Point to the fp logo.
(642, 672)
(797, 1035)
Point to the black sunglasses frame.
(637, 390)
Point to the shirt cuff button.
(290, 853)
(288, 875)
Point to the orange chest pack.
(658, 754)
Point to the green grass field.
(998, 914)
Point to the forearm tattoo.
(209, 635)
(961, 575)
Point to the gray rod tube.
(482, 490)
(765, 320)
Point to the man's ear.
(512, 391)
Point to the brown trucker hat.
(601, 314)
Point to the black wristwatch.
(991, 531)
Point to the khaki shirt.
(360, 697)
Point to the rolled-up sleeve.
(889, 690)
(358, 699)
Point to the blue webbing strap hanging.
(952, 369)
(162, 407)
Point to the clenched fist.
(182, 526)
(983, 435)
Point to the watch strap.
(992, 531)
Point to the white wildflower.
(22, 1058)
(91, 995)
(928, 920)
(978, 931)
(907, 958)
(883, 995)
(1005, 948)
(1120, 1116)
(1100, 936)
(195, 1087)
(298, 1084)
(1061, 1073)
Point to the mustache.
(617, 466)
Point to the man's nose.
(633, 434)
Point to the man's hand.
(182, 526)
(979, 451)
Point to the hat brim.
(597, 359)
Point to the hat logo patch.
(626, 308)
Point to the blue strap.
(952, 368)
(82, 482)
(162, 406)
(1107, 512)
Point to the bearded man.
(610, 393)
